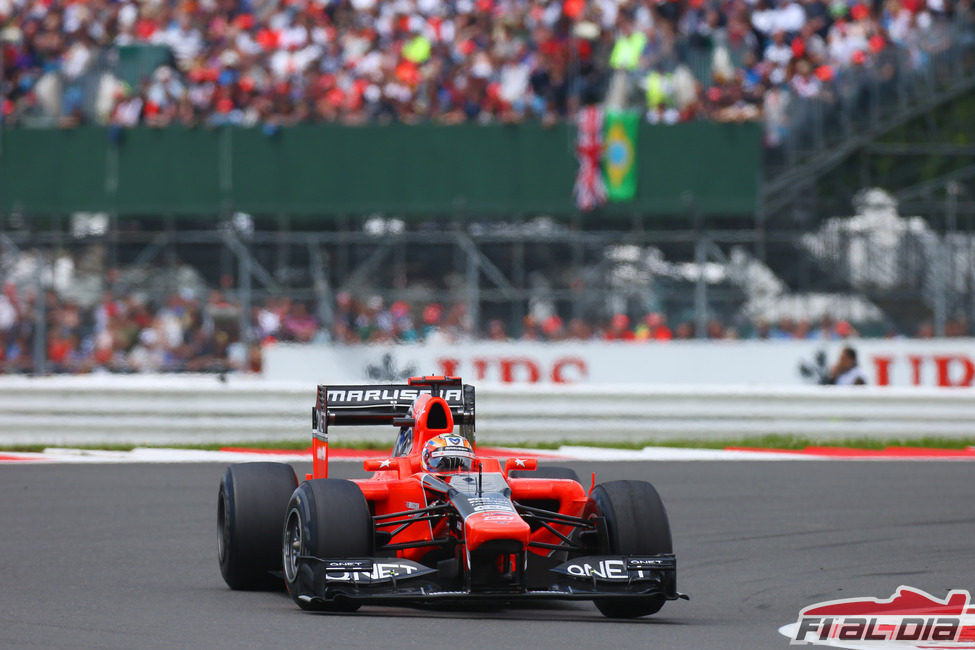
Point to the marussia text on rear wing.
(370, 404)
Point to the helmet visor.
(450, 459)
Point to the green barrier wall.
(317, 170)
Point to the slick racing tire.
(250, 508)
(636, 524)
(546, 472)
(326, 518)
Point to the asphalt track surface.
(124, 556)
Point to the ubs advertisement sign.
(945, 362)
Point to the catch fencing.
(205, 409)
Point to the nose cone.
(483, 527)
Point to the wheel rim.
(292, 545)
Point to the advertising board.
(885, 362)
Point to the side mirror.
(520, 463)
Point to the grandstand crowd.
(189, 333)
(279, 62)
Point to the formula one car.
(436, 522)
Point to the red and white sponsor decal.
(910, 618)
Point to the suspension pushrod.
(407, 513)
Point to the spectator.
(779, 54)
(147, 355)
(180, 334)
(432, 318)
(844, 330)
(716, 330)
(529, 329)
(786, 329)
(846, 372)
(404, 330)
(684, 331)
(352, 61)
(654, 328)
(802, 329)
(299, 325)
(619, 329)
(579, 330)
(761, 330)
(496, 331)
(629, 46)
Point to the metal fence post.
(940, 289)
(244, 282)
(40, 319)
(473, 293)
(701, 286)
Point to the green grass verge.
(767, 442)
(782, 442)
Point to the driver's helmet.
(447, 453)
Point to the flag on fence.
(589, 190)
(620, 160)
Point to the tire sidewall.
(325, 533)
(251, 503)
(640, 528)
(633, 521)
(227, 551)
(302, 505)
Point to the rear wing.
(354, 405)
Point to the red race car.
(435, 521)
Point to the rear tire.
(636, 524)
(326, 518)
(546, 472)
(251, 504)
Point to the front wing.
(389, 579)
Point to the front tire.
(326, 518)
(636, 524)
(251, 504)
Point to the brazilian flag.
(619, 164)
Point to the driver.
(447, 453)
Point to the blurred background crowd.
(279, 62)
(186, 332)
(274, 63)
